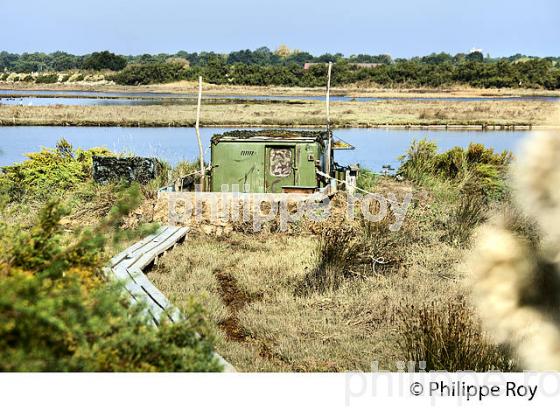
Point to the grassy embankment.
(356, 90)
(308, 114)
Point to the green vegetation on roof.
(269, 134)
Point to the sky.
(401, 28)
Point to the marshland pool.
(374, 147)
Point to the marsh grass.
(310, 113)
(338, 254)
(469, 212)
(356, 249)
(467, 181)
(315, 300)
(278, 327)
(448, 337)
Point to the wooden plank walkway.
(128, 267)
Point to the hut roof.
(270, 135)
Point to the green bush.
(48, 171)
(150, 73)
(104, 60)
(58, 314)
(47, 78)
(474, 168)
(366, 179)
(56, 326)
(419, 160)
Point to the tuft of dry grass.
(469, 212)
(338, 253)
(447, 336)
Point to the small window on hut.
(280, 162)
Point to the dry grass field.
(270, 310)
(307, 114)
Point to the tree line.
(538, 73)
(285, 67)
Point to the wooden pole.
(197, 129)
(329, 96)
(329, 143)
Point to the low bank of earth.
(505, 113)
(356, 90)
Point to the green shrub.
(53, 326)
(366, 179)
(47, 78)
(475, 166)
(104, 60)
(58, 314)
(48, 171)
(418, 161)
(150, 73)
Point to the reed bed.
(308, 114)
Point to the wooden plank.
(142, 280)
(132, 249)
(139, 296)
(134, 254)
(122, 255)
(135, 271)
(121, 273)
(135, 281)
(155, 251)
(139, 252)
(154, 243)
(174, 314)
(128, 267)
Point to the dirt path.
(235, 299)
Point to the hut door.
(279, 168)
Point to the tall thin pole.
(329, 96)
(328, 101)
(197, 129)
